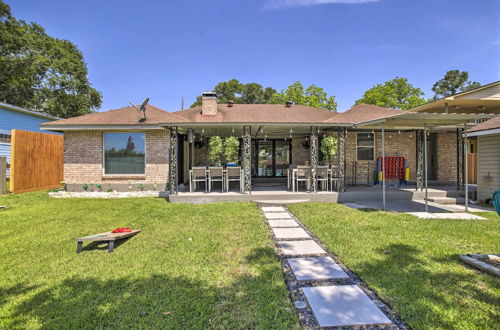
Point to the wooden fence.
(37, 161)
(472, 168)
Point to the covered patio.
(272, 151)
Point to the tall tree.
(454, 81)
(233, 90)
(313, 96)
(41, 72)
(397, 93)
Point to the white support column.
(425, 171)
(466, 166)
(383, 167)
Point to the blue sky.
(169, 49)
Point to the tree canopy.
(253, 93)
(41, 72)
(312, 96)
(233, 90)
(454, 81)
(397, 93)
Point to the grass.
(192, 266)
(413, 263)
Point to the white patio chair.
(322, 177)
(234, 174)
(303, 174)
(215, 174)
(197, 174)
(334, 177)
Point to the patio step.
(447, 200)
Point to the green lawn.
(208, 266)
(413, 263)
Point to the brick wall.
(83, 160)
(447, 157)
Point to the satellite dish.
(142, 109)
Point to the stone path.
(325, 292)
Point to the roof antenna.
(182, 103)
(142, 109)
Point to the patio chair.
(197, 174)
(334, 177)
(234, 174)
(322, 177)
(215, 174)
(303, 175)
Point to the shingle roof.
(363, 112)
(258, 113)
(238, 113)
(122, 116)
(493, 123)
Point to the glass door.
(281, 157)
(271, 158)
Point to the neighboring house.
(118, 148)
(13, 117)
(488, 144)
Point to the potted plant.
(215, 150)
(329, 148)
(231, 148)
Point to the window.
(365, 146)
(124, 153)
(4, 138)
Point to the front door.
(432, 156)
(271, 157)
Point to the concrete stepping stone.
(296, 248)
(316, 268)
(283, 223)
(459, 216)
(356, 206)
(343, 306)
(278, 215)
(423, 215)
(290, 233)
(273, 209)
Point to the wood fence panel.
(472, 168)
(37, 161)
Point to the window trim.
(123, 176)
(374, 146)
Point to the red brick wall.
(83, 159)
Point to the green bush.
(329, 148)
(231, 149)
(215, 150)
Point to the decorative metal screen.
(314, 156)
(172, 162)
(341, 158)
(460, 159)
(247, 158)
(420, 159)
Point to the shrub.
(231, 149)
(215, 150)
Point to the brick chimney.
(209, 104)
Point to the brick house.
(120, 148)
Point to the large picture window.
(365, 146)
(124, 153)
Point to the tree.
(233, 90)
(397, 93)
(41, 72)
(454, 81)
(312, 96)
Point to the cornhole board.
(104, 237)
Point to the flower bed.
(102, 194)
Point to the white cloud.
(274, 4)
